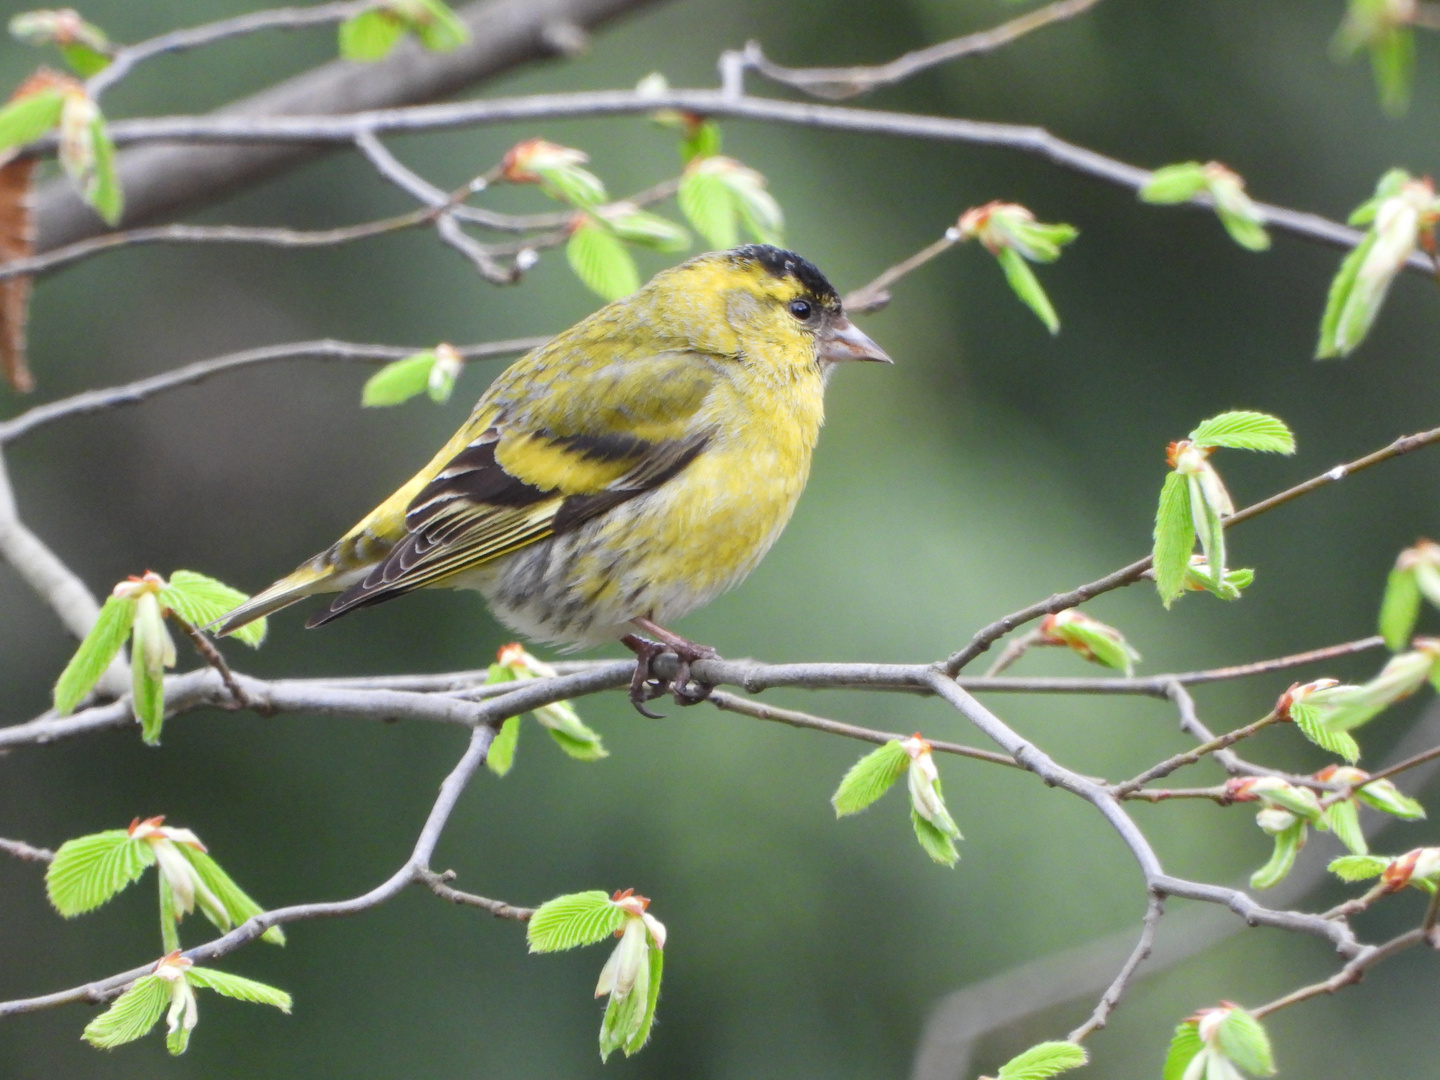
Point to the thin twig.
(413, 870)
(1357, 904)
(193, 37)
(1153, 913)
(1348, 975)
(761, 711)
(439, 885)
(837, 83)
(1012, 652)
(875, 295)
(1401, 766)
(347, 128)
(26, 852)
(1128, 575)
(325, 349)
(211, 655)
(268, 236)
(1190, 757)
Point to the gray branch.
(163, 180)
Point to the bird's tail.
(311, 578)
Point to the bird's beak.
(842, 340)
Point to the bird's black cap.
(784, 263)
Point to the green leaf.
(1174, 538)
(1245, 430)
(169, 916)
(438, 28)
(1205, 517)
(102, 188)
(1044, 1060)
(707, 203)
(1282, 859)
(1243, 1040)
(579, 748)
(1244, 230)
(702, 140)
(624, 1021)
(238, 904)
(201, 600)
(26, 119)
(131, 1015)
(501, 756)
(1183, 1048)
(652, 996)
(869, 778)
(398, 381)
(1174, 183)
(1026, 286)
(759, 213)
(96, 651)
(939, 845)
(1308, 719)
(147, 691)
(239, 987)
(1337, 339)
(572, 920)
(1343, 819)
(1392, 60)
(89, 870)
(1384, 796)
(370, 35)
(83, 60)
(176, 1041)
(1358, 867)
(648, 230)
(567, 182)
(1400, 608)
(600, 260)
(1387, 187)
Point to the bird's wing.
(541, 467)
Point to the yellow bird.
(620, 476)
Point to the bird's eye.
(801, 309)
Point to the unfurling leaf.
(239, 987)
(1174, 183)
(1089, 638)
(1382, 28)
(1043, 1061)
(1245, 430)
(869, 778)
(1358, 867)
(88, 156)
(1174, 538)
(236, 905)
(937, 843)
(1185, 1046)
(1343, 819)
(1416, 575)
(370, 35)
(718, 196)
(1402, 212)
(570, 921)
(1311, 722)
(32, 113)
(1025, 285)
(201, 600)
(1244, 1041)
(1288, 842)
(101, 645)
(600, 261)
(399, 380)
(132, 1014)
(88, 870)
(643, 228)
(556, 169)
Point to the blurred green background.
(991, 466)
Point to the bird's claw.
(645, 685)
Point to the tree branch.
(25, 852)
(325, 349)
(843, 82)
(162, 180)
(415, 869)
(1116, 990)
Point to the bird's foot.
(646, 685)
